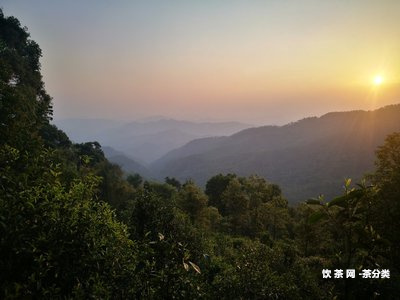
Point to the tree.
(272, 218)
(355, 242)
(388, 163)
(25, 105)
(54, 137)
(215, 186)
(236, 202)
(169, 246)
(59, 242)
(174, 182)
(387, 179)
(192, 200)
(113, 188)
(135, 180)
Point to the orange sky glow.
(262, 62)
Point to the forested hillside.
(306, 158)
(73, 227)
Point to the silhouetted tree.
(173, 181)
(215, 186)
(135, 180)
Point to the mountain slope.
(305, 158)
(127, 164)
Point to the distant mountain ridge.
(305, 158)
(145, 141)
(127, 164)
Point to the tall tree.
(215, 186)
(25, 105)
(192, 200)
(387, 179)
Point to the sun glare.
(378, 80)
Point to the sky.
(260, 62)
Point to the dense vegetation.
(71, 225)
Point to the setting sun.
(378, 80)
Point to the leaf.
(356, 194)
(342, 200)
(347, 183)
(339, 201)
(315, 217)
(161, 236)
(195, 267)
(313, 201)
(186, 266)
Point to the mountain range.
(306, 158)
(146, 140)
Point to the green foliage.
(150, 213)
(174, 182)
(24, 104)
(387, 204)
(54, 137)
(169, 246)
(113, 188)
(193, 201)
(57, 242)
(351, 223)
(135, 180)
(215, 187)
(251, 206)
(252, 270)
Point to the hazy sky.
(253, 61)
